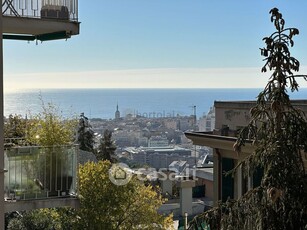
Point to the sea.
(102, 103)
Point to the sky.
(157, 44)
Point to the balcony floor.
(37, 26)
(24, 205)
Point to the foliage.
(105, 205)
(85, 137)
(15, 127)
(279, 132)
(50, 128)
(66, 217)
(9, 216)
(106, 149)
(47, 219)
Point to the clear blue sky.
(157, 43)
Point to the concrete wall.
(232, 114)
(237, 113)
(209, 189)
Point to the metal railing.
(40, 172)
(47, 9)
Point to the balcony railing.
(40, 172)
(46, 9)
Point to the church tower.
(117, 113)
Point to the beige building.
(231, 116)
(207, 122)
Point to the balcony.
(59, 9)
(40, 19)
(40, 177)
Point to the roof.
(177, 163)
(224, 143)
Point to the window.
(227, 180)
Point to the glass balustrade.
(40, 172)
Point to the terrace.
(40, 177)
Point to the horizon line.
(135, 88)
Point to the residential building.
(158, 141)
(125, 138)
(142, 141)
(230, 117)
(187, 123)
(43, 21)
(160, 157)
(177, 166)
(207, 122)
(171, 123)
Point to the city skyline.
(157, 44)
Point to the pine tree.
(279, 132)
(107, 147)
(85, 137)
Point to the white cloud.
(143, 78)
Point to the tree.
(15, 127)
(85, 137)
(47, 219)
(50, 128)
(279, 132)
(105, 205)
(106, 149)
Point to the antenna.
(194, 129)
(194, 116)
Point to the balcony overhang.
(223, 143)
(25, 205)
(22, 28)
